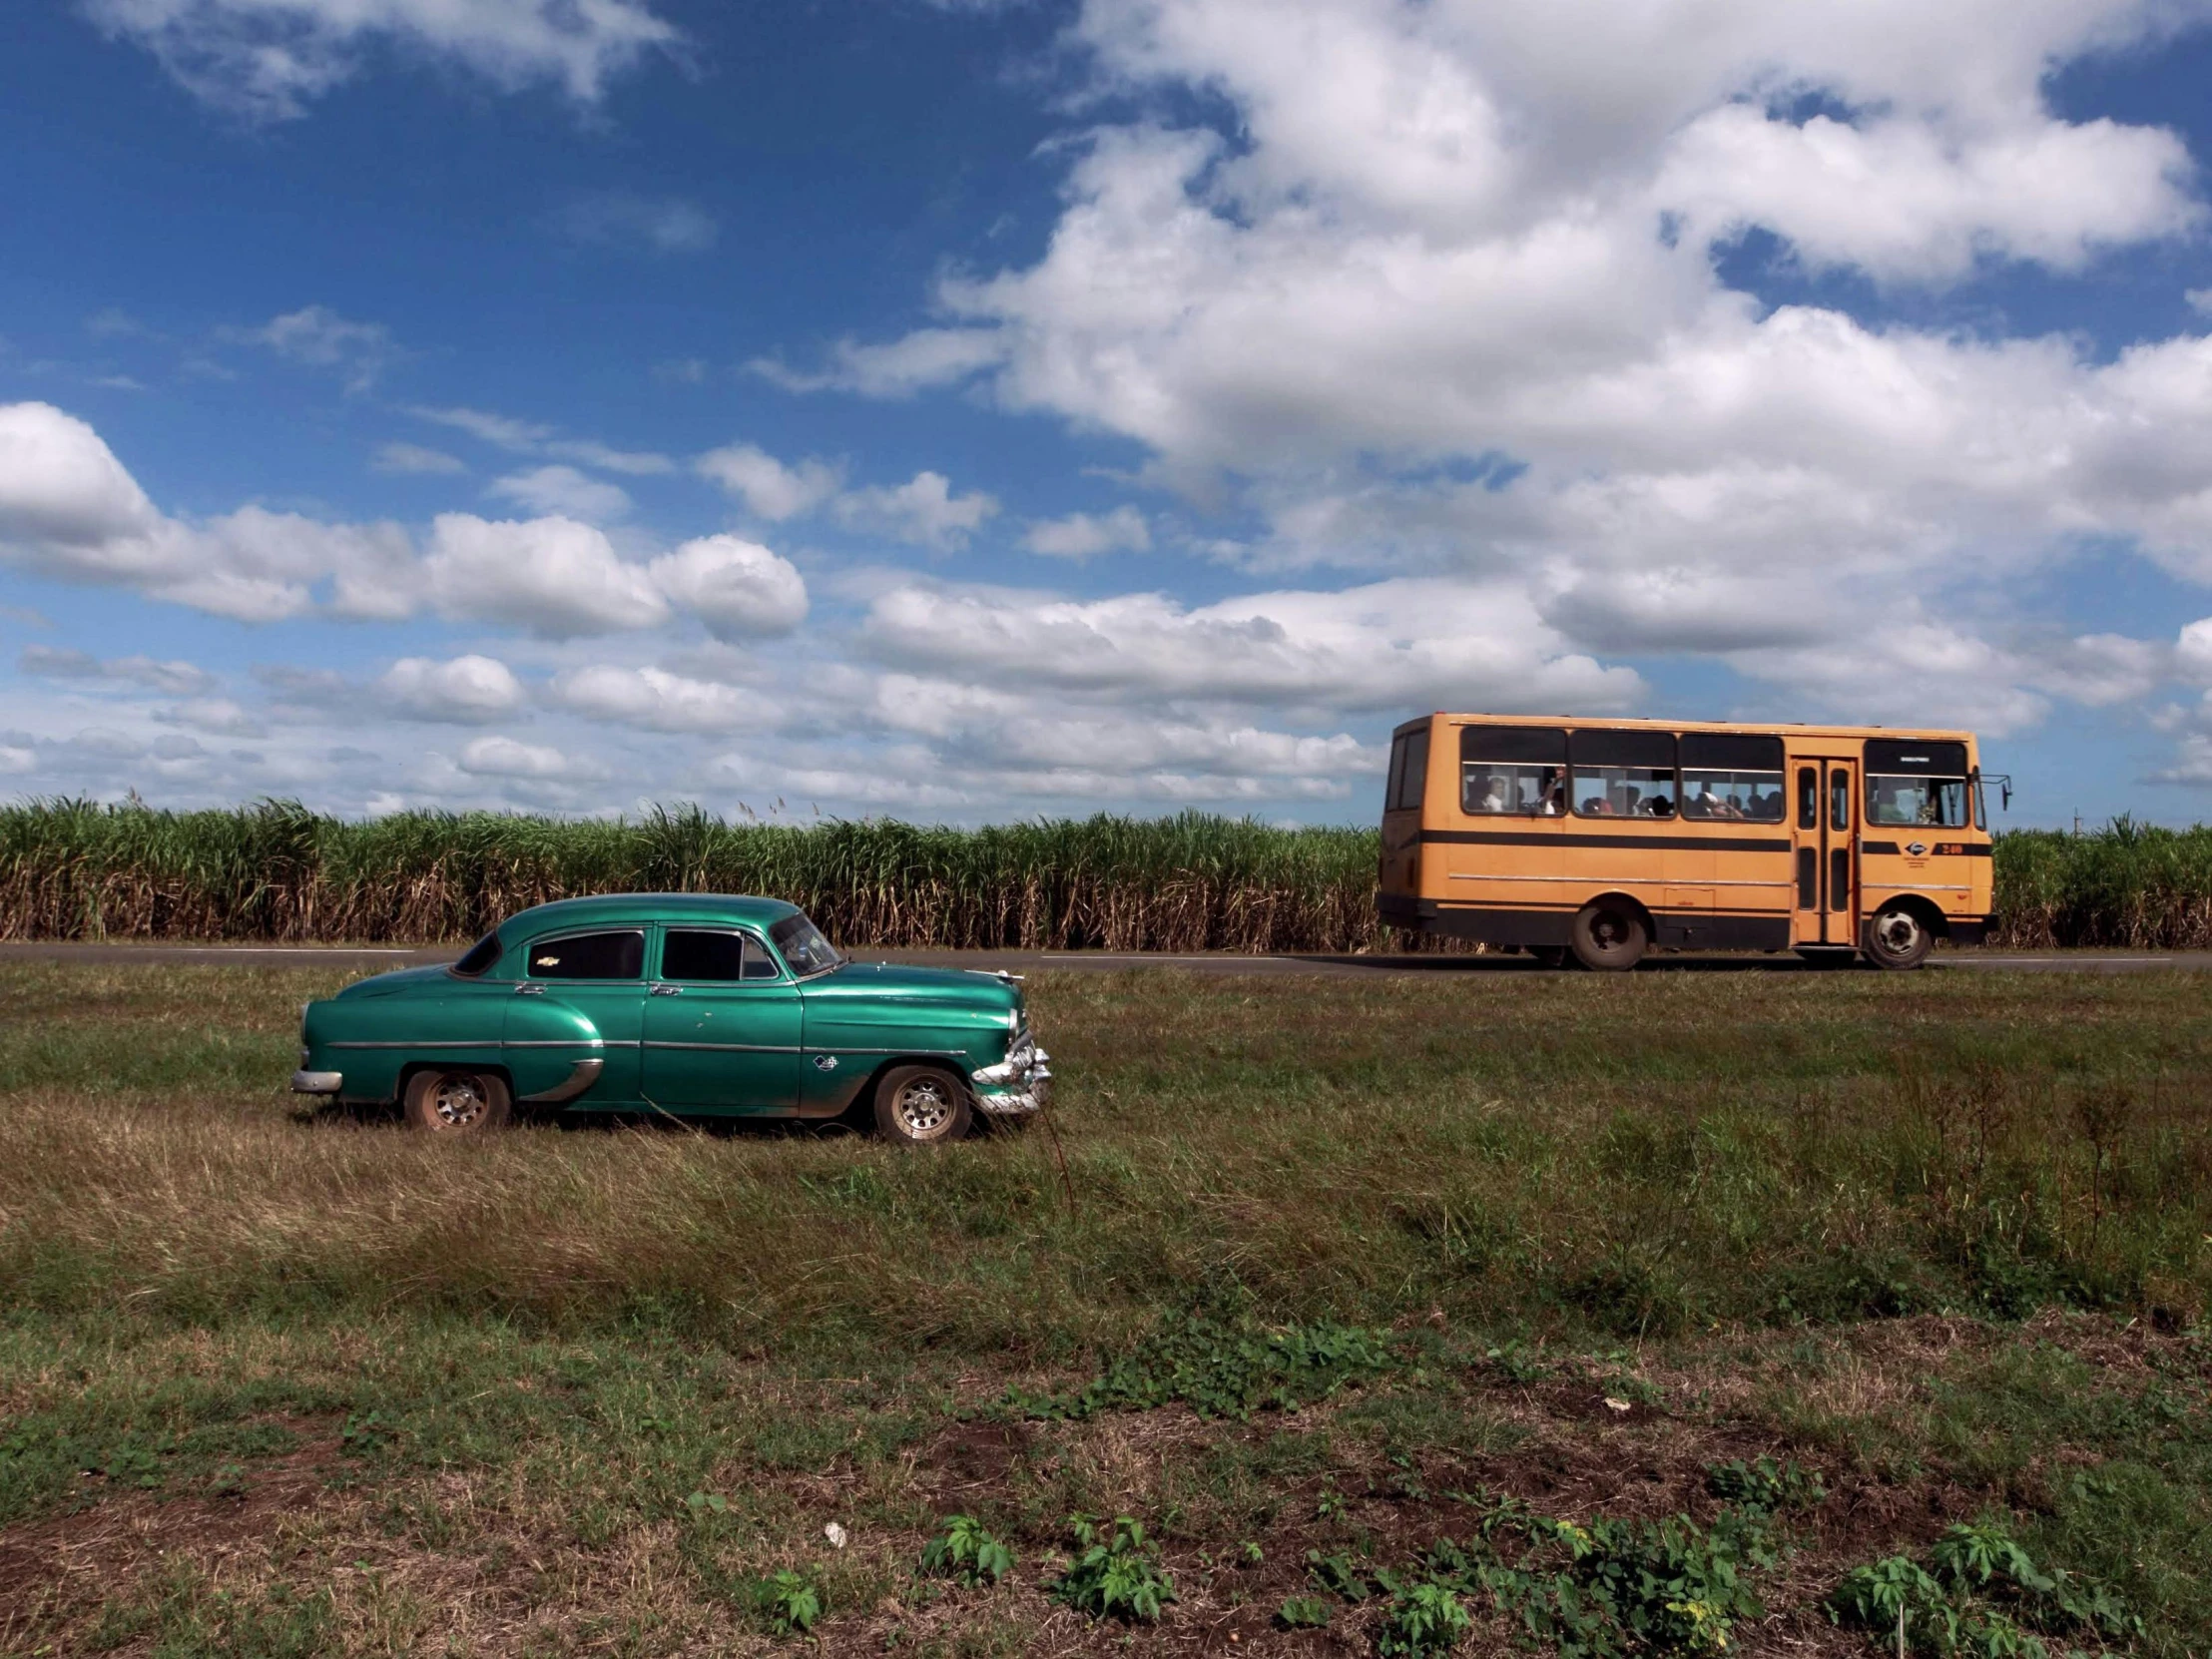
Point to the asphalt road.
(377, 958)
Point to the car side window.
(611, 956)
(698, 955)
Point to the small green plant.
(703, 1505)
(788, 1601)
(1979, 1594)
(1765, 1485)
(365, 1433)
(966, 1551)
(1115, 1576)
(1425, 1619)
(1336, 1575)
(1220, 1372)
(1304, 1613)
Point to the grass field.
(1193, 881)
(1393, 1306)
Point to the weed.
(788, 1602)
(1765, 1485)
(1979, 1594)
(1304, 1613)
(1218, 1372)
(1115, 1576)
(1425, 1619)
(1336, 1575)
(966, 1551)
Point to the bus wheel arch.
(1611, 934)
(1900, 935)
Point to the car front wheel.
(922, 1106)
(457, 1102)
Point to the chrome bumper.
(1018, 1084)
(317, 1082)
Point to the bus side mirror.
(2006, 790)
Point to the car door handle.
(668, 990)
(529, 990)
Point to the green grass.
(1348, 1263)
(76, 870)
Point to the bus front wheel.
(1609, 936)
(1896, 938)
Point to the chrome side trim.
(493, 1042)
(488, 1042)
(317, 1082)
(1916, 886)
(734, 1048)
(581, 1076)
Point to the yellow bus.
(1606, 838)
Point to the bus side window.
(1412, 785)
(1398, 774)
(1809, 798)
(1839, 800)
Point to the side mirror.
(2006, 790)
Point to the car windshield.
(804, 950)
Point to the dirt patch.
(70, 1561)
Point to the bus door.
(1823, 791)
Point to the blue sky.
(969, 411)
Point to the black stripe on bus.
(1669, 843)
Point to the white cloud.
(179, 679)
(500, 431)
(927, 358)
(508, 757)
(533, 438)
(414, 457)
(924, 511)
(216, 714)
(734, 587)
(638, 462)
(656, 701)
(468, 690)
(564, 491)
(1486, 238)
(769, 488)
(69, 511)
(659, 225)
(319, 337)
(1391, 645)
(551, 576)
(1084, 535)
(266, 60)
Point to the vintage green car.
(684, 1004)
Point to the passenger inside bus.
(1529, 790)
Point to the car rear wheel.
(1899, 939)
(1608, 935)
(457, 1102)
(922, 1106)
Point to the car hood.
(881, 981)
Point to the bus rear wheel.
(1898, 940)
(1608, 936)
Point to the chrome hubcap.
(458, 1100)
(923, 1107)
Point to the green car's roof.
(646, 906)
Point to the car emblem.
(825, 1062)
(1917, 848)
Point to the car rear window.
(611, 955)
